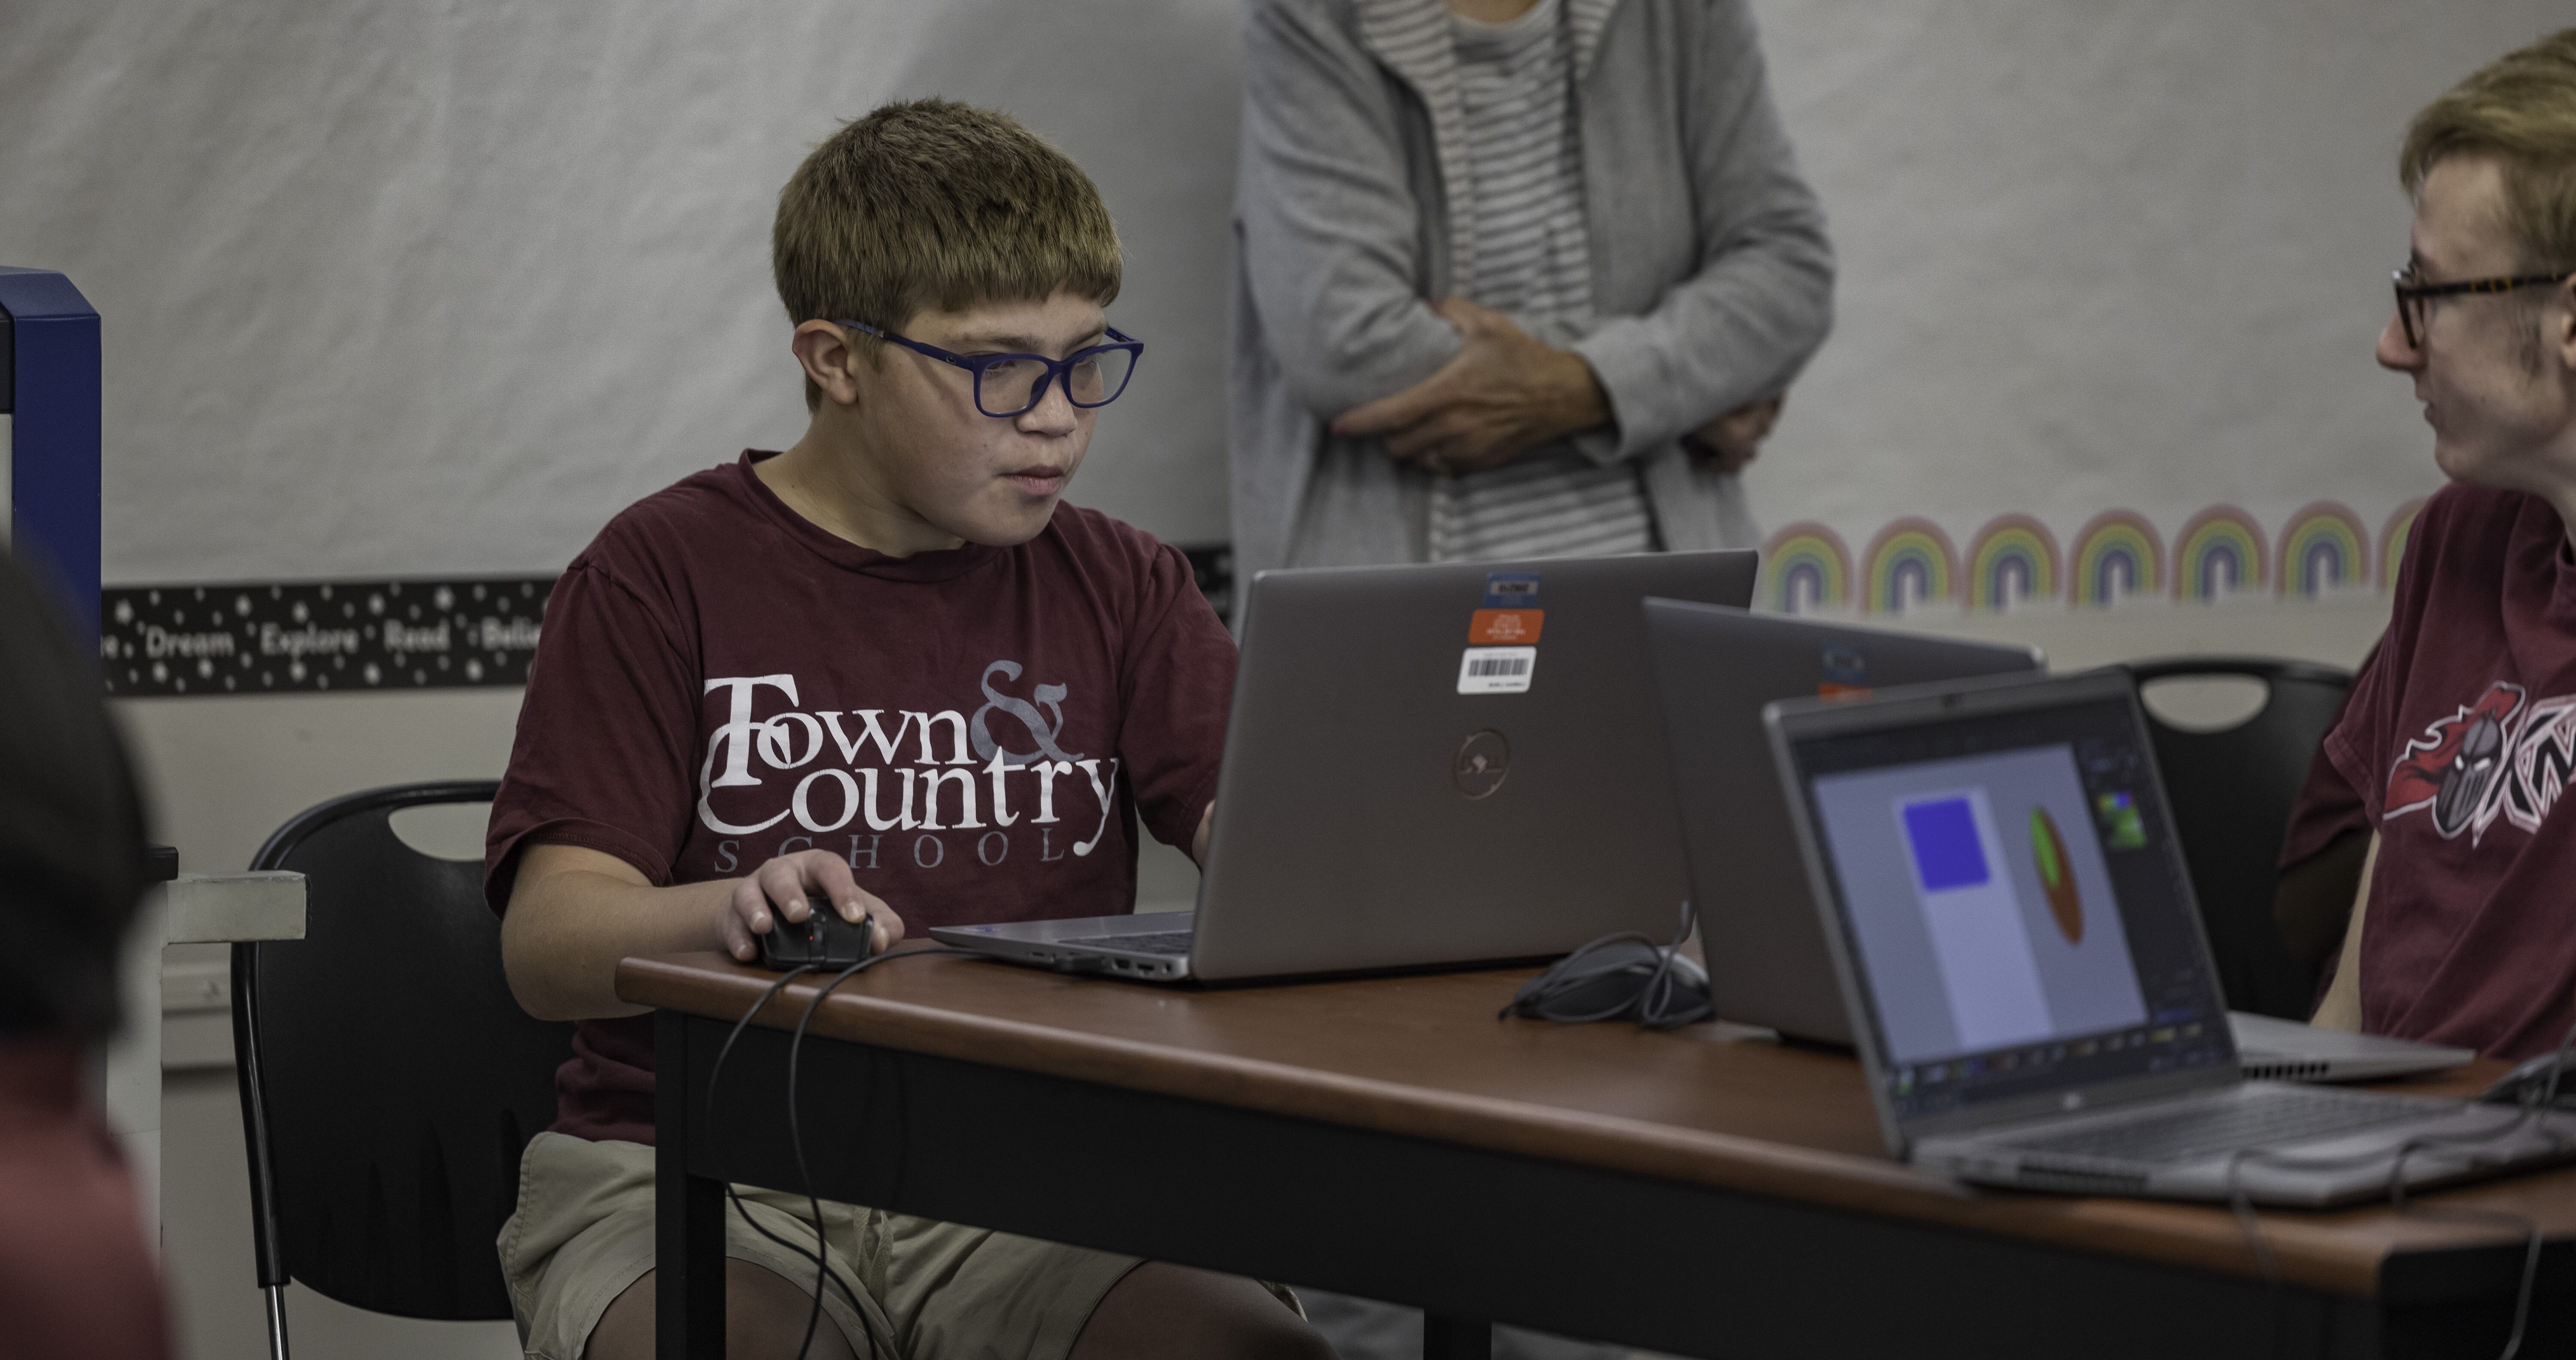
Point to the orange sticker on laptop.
(1505, 627)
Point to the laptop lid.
(1715, 667)
(2008, 911)
(1445, 763)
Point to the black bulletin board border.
(279, 637)
(313, 637)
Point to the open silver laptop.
(1424, 766)
(2014, 932)
(1715, 668)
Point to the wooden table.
(1706, 1192)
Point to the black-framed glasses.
(2413, 297)
(1007, 385)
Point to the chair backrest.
(2231, 792)
(388, 1080)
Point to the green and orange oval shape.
(2056, 876)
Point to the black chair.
(388, 1080)
(2231, 792)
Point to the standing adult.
(1516, 278)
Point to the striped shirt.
(1531, 260)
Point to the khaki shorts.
(583, 1233)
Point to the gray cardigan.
(1712, 280)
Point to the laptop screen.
(2016, 912)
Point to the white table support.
(193, 908)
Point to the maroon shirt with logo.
(2456, 744)
(976, 731)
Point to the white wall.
(2125, 254)
(419, 289)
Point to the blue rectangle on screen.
(1943, 834)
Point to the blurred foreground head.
(71, 830)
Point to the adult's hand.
(1502, 394)
(779, 887)
(1730, 441)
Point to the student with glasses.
(889, 666)
(2445, 777)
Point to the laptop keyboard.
(1173, 943)
(2261, 1116)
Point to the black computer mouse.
(821, 940)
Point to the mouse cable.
(715, 1073)
(2532, 1109)
(796, 1132)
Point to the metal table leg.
(688, 1227)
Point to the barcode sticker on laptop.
(1496, 670)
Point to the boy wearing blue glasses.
(890, 667)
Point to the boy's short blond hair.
(934, 204)
(2520, 109)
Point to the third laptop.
(2014, 930)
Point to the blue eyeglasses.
(1007, 385)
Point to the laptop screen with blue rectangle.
(2012, 904)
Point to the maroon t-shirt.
(977, 731)
(2457, 740)
(77, 1279)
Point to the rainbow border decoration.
(2323, 549)
(2012, 549)
(2392, 542)
(2123, 540)
(2220, 535)
(1808, 568)
(1912, 549)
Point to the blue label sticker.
(1845, 668)
(1511, 590)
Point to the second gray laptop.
(1714, 670)
(1424, 766)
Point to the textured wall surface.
(400, 289)
(2130, 254)
(424, 288)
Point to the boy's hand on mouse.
(777, 890)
